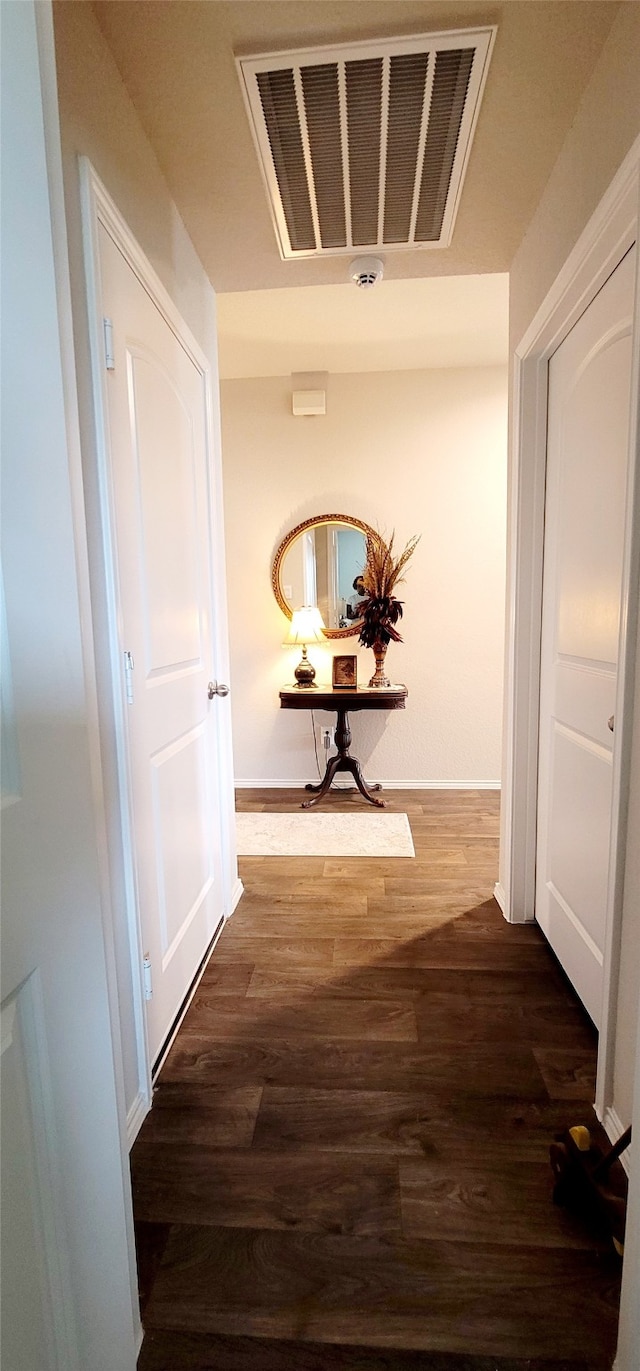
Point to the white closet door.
(588, 430)
(159, 465)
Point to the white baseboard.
(136, 1116)
(187, 1001)
(614, 1128)
(236, 896)
(295, 783)
(500, 895)
(141, 1106)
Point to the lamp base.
(305, 673)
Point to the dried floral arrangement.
(379, 609)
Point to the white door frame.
(607, 237)
(610, 232)
(98, 208)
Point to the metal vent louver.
(366, 145)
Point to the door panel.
(159, 467)
(167, 498)
(181, 803)
(578, 852)
(588, 427)
(591, 394)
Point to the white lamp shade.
(306, 627)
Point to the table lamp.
(306, 627)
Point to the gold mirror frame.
(284, 548)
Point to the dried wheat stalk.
(383, 572)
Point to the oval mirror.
(317, 564)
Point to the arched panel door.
(587, 452)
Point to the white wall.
(606, 123)
(98, 121)
(422, 452)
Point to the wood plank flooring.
(346, 1163)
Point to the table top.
(335, 697)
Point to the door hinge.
(109, 359)
(146, 972)
(128, 676)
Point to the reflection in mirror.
(317, 564)
(320, 568)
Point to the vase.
(379, 681)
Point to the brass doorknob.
(214, 689)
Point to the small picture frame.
(345, 673)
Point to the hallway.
(346, 1164)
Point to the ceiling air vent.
(366, 145)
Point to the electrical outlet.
(328, 738)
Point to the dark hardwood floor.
(346, 1163)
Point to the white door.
(159, 467)
(588, 433)
(310, 593)
(67, 1288)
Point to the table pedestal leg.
(342, 762)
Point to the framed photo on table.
(345, 672)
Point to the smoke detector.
(366, 271)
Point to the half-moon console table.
(343, 700)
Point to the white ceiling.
(442, 321)
(177, 60)
(435, 308)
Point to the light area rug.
(324, 835)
